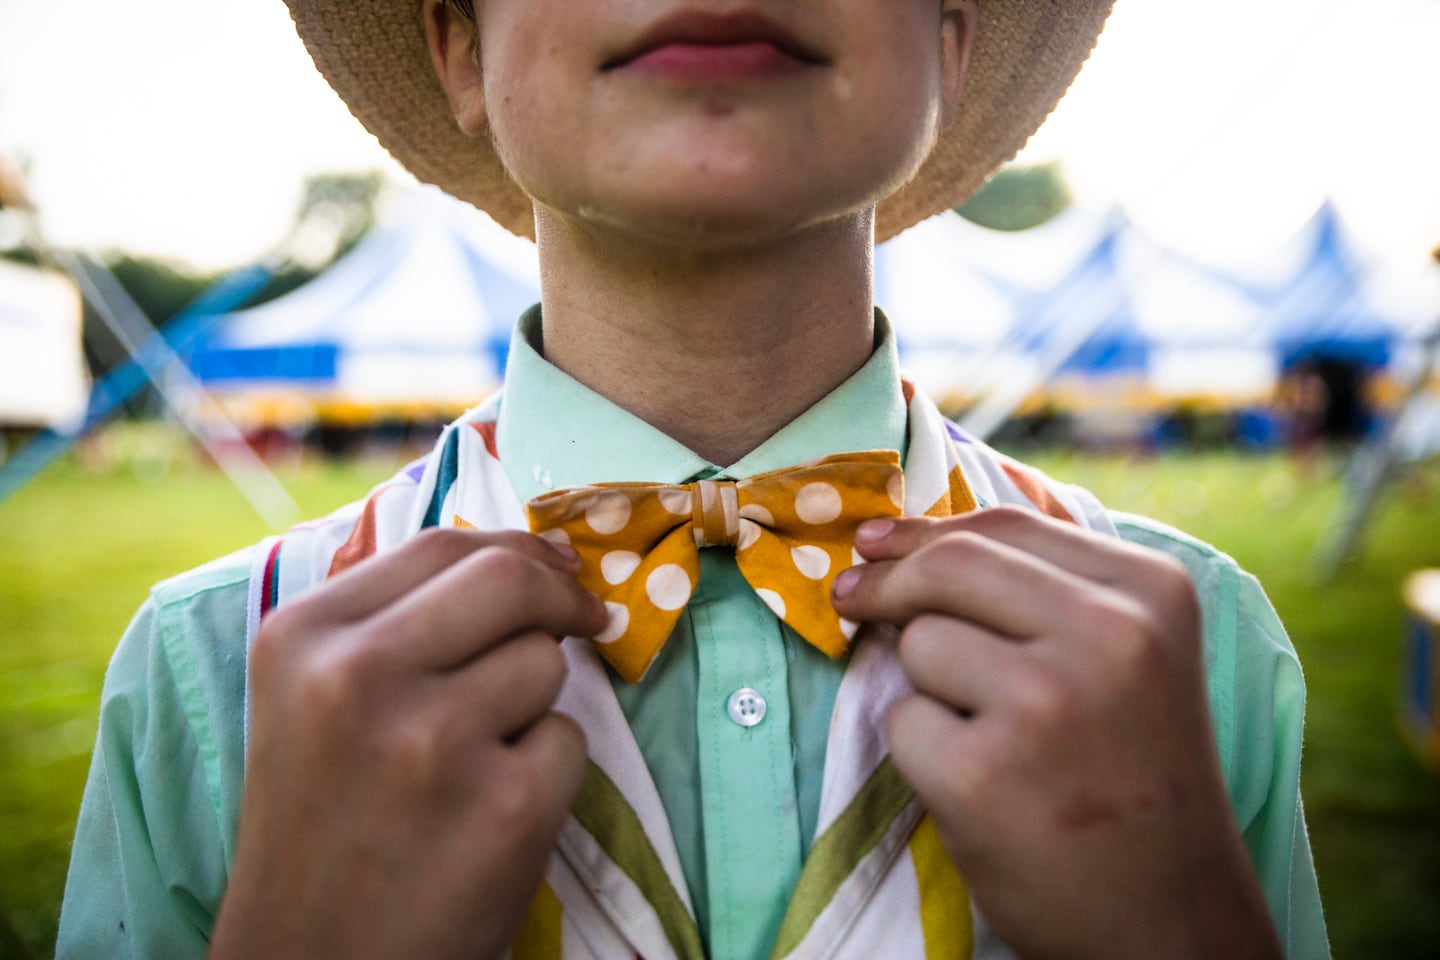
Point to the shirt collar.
(554, 431)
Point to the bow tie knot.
(715, 513)
(793, 532)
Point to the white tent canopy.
(43, 382)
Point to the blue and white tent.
(416, 317)
(960, 295)
(1327, 309)
(1088, 296)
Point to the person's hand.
(406, 777)
(1060, 734)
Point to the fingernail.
(874, 529)
(566, 551)
(846, 582)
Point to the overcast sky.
(185, 129)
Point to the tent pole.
(182, 393)
(1371, 467)
(1008, 391)
(153, 359)
(1005, 391)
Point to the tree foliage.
(160, 287)
(1019, 197)
(341, 205)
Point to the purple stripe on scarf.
(958, 434)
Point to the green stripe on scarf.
(840, 849)
(606, 815)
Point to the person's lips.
(699, 46)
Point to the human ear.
(959, 20)
(455, 55)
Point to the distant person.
(1304, 401)
(1023, 726)
(1346, 417)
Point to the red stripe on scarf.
(268, 580)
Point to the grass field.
(80, 547)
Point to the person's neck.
(719, 351)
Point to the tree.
(336, 210)
(1019, 197)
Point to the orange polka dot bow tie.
(793, 531)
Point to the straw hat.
(373, 52)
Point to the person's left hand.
(1060, 734)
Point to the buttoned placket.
(747, 760)
(554, 432)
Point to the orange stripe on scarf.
(1035, 490)
(361, 543)
(487, 432)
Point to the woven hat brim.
(373, 53)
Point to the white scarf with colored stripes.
(877, 882)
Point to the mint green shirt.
(742, 801)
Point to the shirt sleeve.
(151, 852)
(1257, 701)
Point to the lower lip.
(715, 63)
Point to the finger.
(555, 745)
(929, 745)
(1073, 548)
(481, 600)
(970, 576)
(386, 577)
(964, 666)
(506, 691)
(525, 791)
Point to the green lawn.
(80, 547)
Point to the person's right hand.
(406, 776)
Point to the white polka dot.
(896, 489)
(753, 511)
(811, 561)
(676, 502)
(578, 505)
(848, 627)
(555, 536)
(619, 623)
(749, 533)
(772, 600)
(668, 587)
(609, 513)
(817, 503)
(855, 558)
(617, 565)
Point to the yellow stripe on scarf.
(944, 901)
(540, 938)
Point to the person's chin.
(715, 231)
(699, 223)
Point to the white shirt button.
(746, 707)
